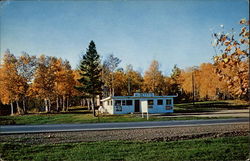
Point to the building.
(137, 103)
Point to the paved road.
(14, 129)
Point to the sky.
(169, 31)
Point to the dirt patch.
(153, 134)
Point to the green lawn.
(208, 106)
(84, 118)
(82, 115)
(227, 148)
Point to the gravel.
(152, 134)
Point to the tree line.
(46, 83)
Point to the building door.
(137, 105)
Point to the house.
(137, 102)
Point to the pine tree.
(90, 72)
(175, 84)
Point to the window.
(150, 103)
(108, 103)
(169, 108)
(168, 102)
(118, 108)
(111, 103)
(129, 102)
(123, 102)
(159, 102)
(117, 102)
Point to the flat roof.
(135, 97)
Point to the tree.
(188, 83)
(153, 79)
(26, 66)
(110, 65)
(90, 71)
(209, 84)
(119, 83)
(44, 82)
(64, 82)
(133, 80)
(175, 82)
(232, 59)
(10, 81)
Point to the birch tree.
(26, 68)
(9, 81)
(44, 82)
(110, 65)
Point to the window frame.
(117, 104)
(160, 100)
(123, 102)
(150, 101)
(170, 101)
(130, 103)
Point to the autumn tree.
(10, 82)
(78, 96)
(119, 83)
(26, 66)
(153, 79)
(232, 59)
(189, 84)
(64, 82)
(44, 82)
(133, 80)
(209, 84)
(110, 64)
(90, 71)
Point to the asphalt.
(15, 129)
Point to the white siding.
(125, 109)
(107, 107)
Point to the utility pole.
(129, 86)
(193, 86)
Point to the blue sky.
(172, 32)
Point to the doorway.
(137, 105)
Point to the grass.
(82, 115)
(210, 106)
(227, 148)
(84, 118)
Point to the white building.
(131, 104)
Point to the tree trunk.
(93, 105)
(57, 103)
(46, 105)
(113, 89)
(12, 108)
(18, 108)
(63, 103)
(81, 102)
(67, 106)
(24, 108)
(49, 104)
(88, 102)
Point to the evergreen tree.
(175, 82)
(90, 72)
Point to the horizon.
(171, 32)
